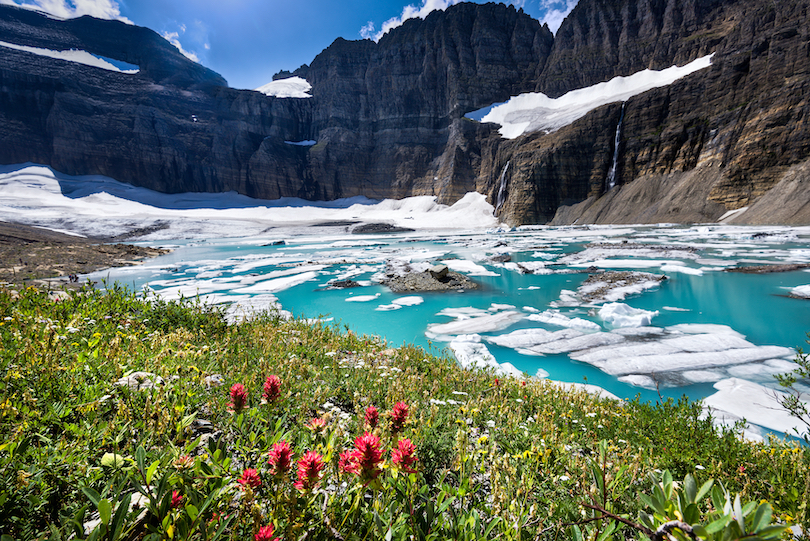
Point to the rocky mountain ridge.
(388, 117)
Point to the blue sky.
(247, 41)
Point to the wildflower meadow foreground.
(122, 418)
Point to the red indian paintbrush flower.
(309, 471)
(177, 499)
(272, 388)
(368, 456)
(372, 417)
(398, 416)
(346, 462)
(280, 458)
(265, 533)
(365, 460)
(250, 478)
(404, 455)
(316, 425)
(239, 397)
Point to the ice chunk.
(640, 332)
(621, 315)
(524, 338)
(362, 298)
(639, 381)
(754, 402)
(411, 300)
(487, 323)
(471, 353)
(554, 317)
(468, 267)
(674, 266)
(675, 361)
(761, 371)
(801, 291)
(582, 342)
(703, 328)
(396, 304)
(278, 284)
(703, 376)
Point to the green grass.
(506, 458)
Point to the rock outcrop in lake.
(386, 119)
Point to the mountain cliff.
(387, 118)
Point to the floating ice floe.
(279, 284)
(653, 356)
(77, 56)
(362, 298)
(398, 303)
(646, 255)
(471, 353)
(525, 267)
(801, 291)
(468, 267)
(677, 266)
(737, 399)
(618, 314)
(292, 87)
(677, 354)
(645, 382)
(554, 317)
(532, 112)
(474, 325)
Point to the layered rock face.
(714, 141)
(383, 114)
(388, 117)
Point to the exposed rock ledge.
(36, 256)
(769, 269)
(425, 281)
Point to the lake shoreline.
(35, 256)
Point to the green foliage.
(86, 454)
(795, 402)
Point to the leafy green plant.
(795, 401)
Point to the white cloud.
(174, 39)
(367, 32)
(408, 12)
(556, 12)
(69, 9)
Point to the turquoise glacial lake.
(699, 325)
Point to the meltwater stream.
(699, 327)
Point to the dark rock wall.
(388, 116)
(744, 119)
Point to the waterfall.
(502, 190)
(610, 181)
